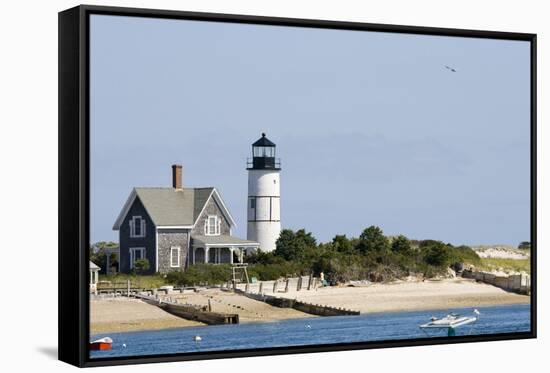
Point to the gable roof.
(169, 207)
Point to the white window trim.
(178, 248)
(217, 225)
(132, 223)
(133, 255)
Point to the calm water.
(311, 331)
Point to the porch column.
(206, 253)
(108, 264)
(194, 254)
(231, 255)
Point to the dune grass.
(516, 265)
(137, 281)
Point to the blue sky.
(370, 127)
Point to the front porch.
(222, 249)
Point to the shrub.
(268, 272)
(201, 274)
(525, 245)
(464, 254)
(401, 245)
(141, 266)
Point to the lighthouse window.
(212, 226)
(264, 151)
(252, 203)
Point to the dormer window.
(212, 226)
(137, 227)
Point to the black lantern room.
(263, 155)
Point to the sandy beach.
(123, 314)
(410, 296)
(126, 314)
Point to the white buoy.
(197, 338)
(308, 326)
(124, 345)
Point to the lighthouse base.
(265, 233)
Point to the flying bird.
(450, 68)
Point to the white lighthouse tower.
(264, 195)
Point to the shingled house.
(176, 227)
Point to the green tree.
(401, 245)
(372, 240)
(99, 256)
(437, 254)
(428, 243)
(141, 266)
(342, 244)
(525, 245)
(295, 246)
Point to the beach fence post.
(209, 305)
(128, 284)
(309, 282)
(299, 286)
(261, 287)
(275, 283)
(246, 288)
(286, 285)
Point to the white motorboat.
(450, 322)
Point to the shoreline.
(125, 315)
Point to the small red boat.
(101, 344)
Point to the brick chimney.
(177, 176)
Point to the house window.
(137, 227)
(175, 256)
(136, 253)
(212, 226)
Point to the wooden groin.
(313, 309)
(192, 312)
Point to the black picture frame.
(74, 181)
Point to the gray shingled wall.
(166, 239)
(211, 208)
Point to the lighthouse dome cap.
(264, 141)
